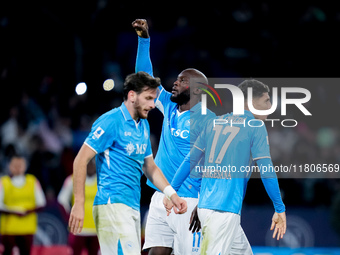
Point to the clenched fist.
(141, 27)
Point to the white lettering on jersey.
(140, 148)
(181, 133)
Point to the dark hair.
(139, 82)
(258, 88)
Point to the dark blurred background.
(48, 47)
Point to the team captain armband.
(169, 191)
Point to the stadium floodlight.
(81, 88)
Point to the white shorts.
(222, 233)
(118, 228)
(171, 231)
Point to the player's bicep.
(86, 153)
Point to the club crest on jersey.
(98, 133)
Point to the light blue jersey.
(229, 151)
(179, 130)
(121, 145)
(231, 147)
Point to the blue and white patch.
(98, 133)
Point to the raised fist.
(141, 27)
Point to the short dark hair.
(139, 82)
(258, 88)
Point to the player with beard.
(181, 126)
(120, 141)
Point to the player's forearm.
(155, 175)
(182, 173)
(79, 176)
(189, 162)
(143, 60)
(271, 185)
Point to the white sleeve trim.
(202, 150)
(261, 157)
(91, 147)
(148, 156)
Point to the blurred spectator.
(20, 197)
(87, 239)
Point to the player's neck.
(192, 102)
(131, 109)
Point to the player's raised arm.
(143, 61)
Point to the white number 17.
(228, 129)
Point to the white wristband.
(169, 191)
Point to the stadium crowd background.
(48, 47)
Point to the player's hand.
(195, 224)
(76, 220)
(141, 27)
(279, 222)
(180, 205)
(168, 205)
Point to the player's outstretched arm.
(189, 162)
(155, 175)
(279, 225)
(83, 157)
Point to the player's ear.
(197, 91)
(132, 96)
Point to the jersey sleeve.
(163, 99)
(102, 135)
(260, 144)
(143, 60)
(189, 162)
(143, 63)
(271, 184)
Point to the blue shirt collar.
(126, 113)
(249, 114)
